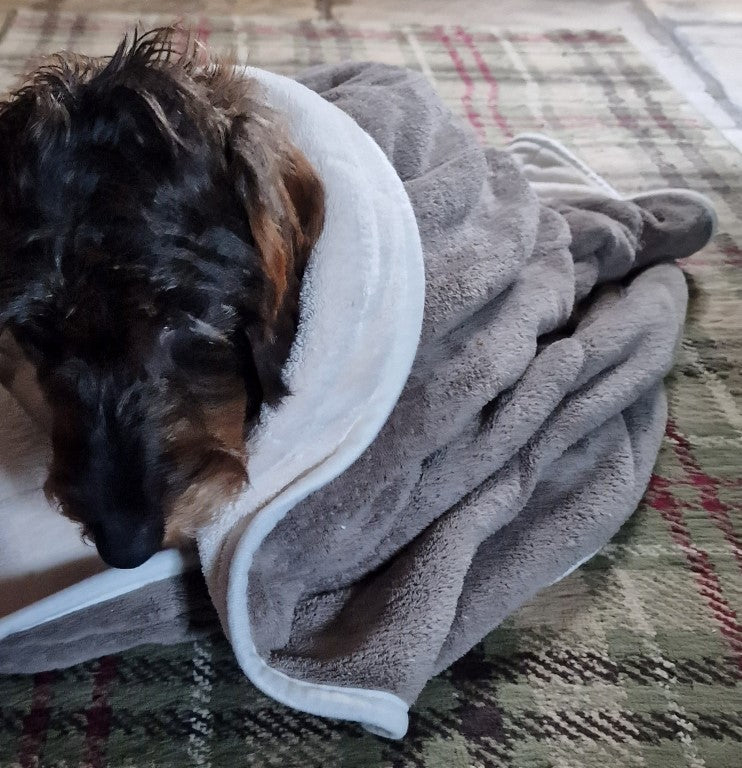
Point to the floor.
(571, 697)
(696, 44)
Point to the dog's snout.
(127, 544)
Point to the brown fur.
(201, 437)
(221, 478)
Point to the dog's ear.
(284, 201)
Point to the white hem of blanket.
(570, 158)
(575, 566)
(107, 585)
(380, 712)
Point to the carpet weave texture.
(635, 659)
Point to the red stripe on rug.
(707, 581)
(708, 489)
(36, 722)
(719, 482)
(731, 250)
(472, 115)
(716, 254)
(494, 87)
(203, 31)
(98, 715)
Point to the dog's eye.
(202, 356)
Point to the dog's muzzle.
(126, 543)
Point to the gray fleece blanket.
(524, 438)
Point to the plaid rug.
(636, 659)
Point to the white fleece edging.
(362, 310)
(548, 187)
(99, 588)
(363, 297)
(568, 158)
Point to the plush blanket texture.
(525, 435)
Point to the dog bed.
(458, 438)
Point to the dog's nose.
(123, 544)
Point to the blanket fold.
(524, 436)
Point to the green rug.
(636, 659)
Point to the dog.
(155, 225)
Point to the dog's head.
(155, 222)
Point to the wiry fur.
(155, 223)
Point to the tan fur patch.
(18, 376)
(226, 423)
(220, 480)
(219, 484)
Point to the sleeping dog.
(155, 223)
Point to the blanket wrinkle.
(611, 263)
(523, 439)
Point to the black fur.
(130, 278)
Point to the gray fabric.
(524, 438)
(166, 612)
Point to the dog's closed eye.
(202, 354)
(207, 366)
